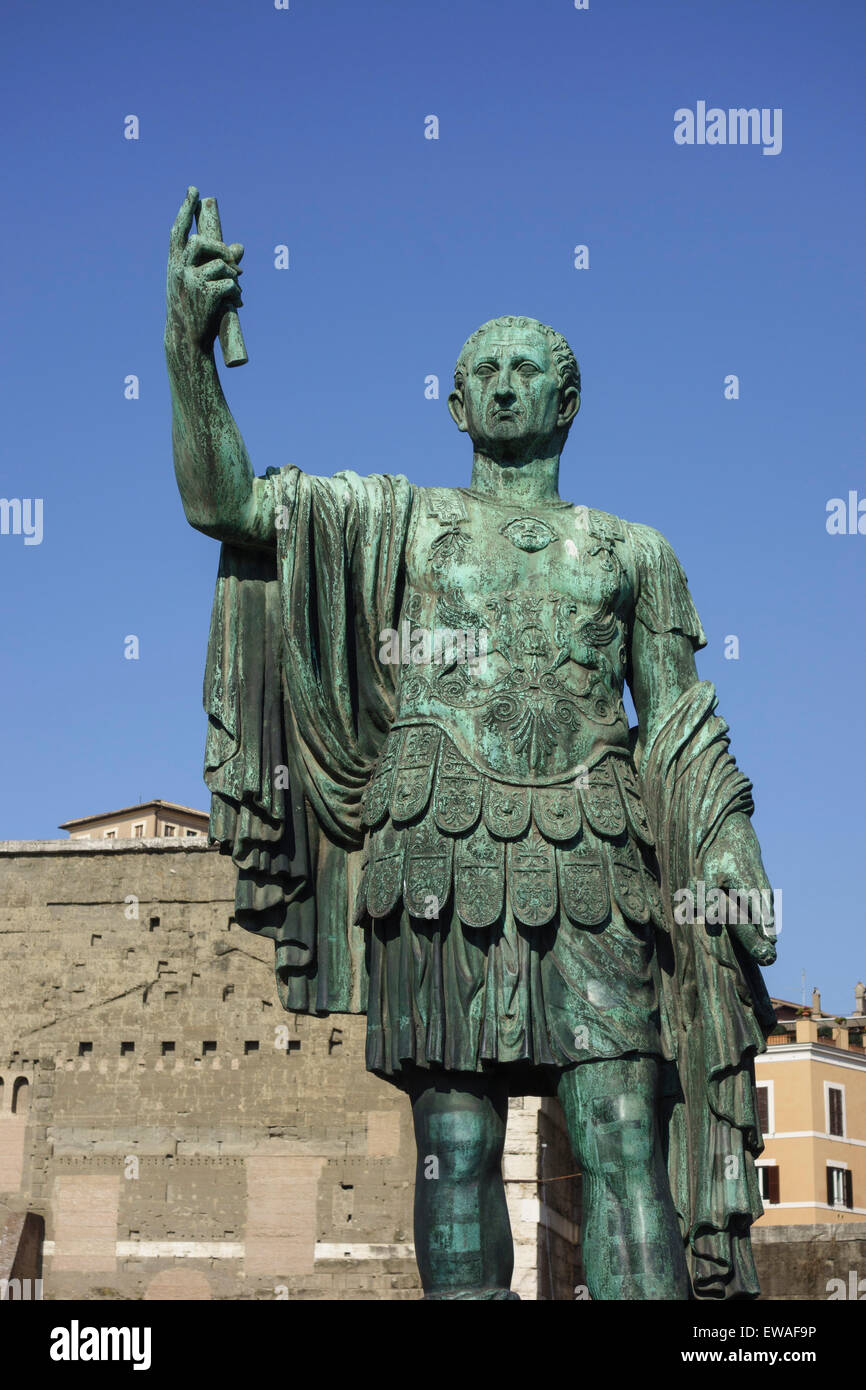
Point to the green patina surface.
(420, 761)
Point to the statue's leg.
(462, 1233)
(632, 1247)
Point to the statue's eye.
(528, 369)
(485, 369)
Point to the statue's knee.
(622, 1135)
(461, 1145)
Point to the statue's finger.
(768, 916)
(183, 222)
(750, 938)
(237, 251)
(750, 904)
(761, 948)
(202, 248)
(229, 290)
(219, 270)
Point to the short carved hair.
(563, 357)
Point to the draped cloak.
(299, 706)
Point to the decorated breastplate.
(512, 635)
(507, 779)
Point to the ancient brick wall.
(181, 1134)
(812, 1263)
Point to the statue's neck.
(533, 480)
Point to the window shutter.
(830, 1172)
(772, 1184)
(849, 1188)
(763, 1097)
(835, 1108)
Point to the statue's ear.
(458, 414)
(569, 405)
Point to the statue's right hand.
(202, 281)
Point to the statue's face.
(511, 403)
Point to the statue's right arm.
(220, 494)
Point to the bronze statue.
(420, 762)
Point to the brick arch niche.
(20, 1096)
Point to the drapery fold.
(715, 1009)
(298, 707)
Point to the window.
(250, 1047)
(835, 1110)
(840, 1191)
(109, 834)
(85, 1049)
(766, 1106)
(138, 830)
(191, 832)
(762, 1091)
(126, 1048)
(208, 1048)
(20, 1096)
(768, 1182)
(167, 1049)
(169, 830)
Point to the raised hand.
(201, 283)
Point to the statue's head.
(516, 389)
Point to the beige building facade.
(812, 1097)
(146, 821)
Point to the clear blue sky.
(556, 128)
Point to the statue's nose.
(504, 389)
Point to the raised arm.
(220, 494)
